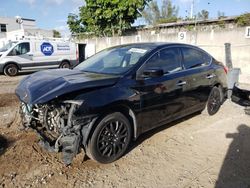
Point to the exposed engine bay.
(59, 128)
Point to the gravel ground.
(197, 151)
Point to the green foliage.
(167, 20)
(190, 27)
(74, 24)
(243, 20)
(153, 15)
(203, 15)
(106, 17)
(222, 24)
(56, 34)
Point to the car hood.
(44, 86)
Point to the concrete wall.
(211, 39)
(2, 35)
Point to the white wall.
(210, 39)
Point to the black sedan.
(118, 94)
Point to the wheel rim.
(112, 139)
(214, 102)
(11, 70)
(65, 65)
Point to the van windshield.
(7, 46)
(117, 60)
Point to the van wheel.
(65, 65)
(110, 138)
(10, 70)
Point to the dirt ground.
(197, 151)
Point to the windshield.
(7, 46)
(116, 60)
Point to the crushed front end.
(58, 125)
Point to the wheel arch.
(220, 86)
(121, 108)
(128, 113)
(12, 62)
(65, 60)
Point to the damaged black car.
(118, 94)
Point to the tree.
(56, 34)
(221, 15)
(203, 15)
(74, 24)
(153, 15)
(243, 20)
(106, 17)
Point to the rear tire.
(10, 70)
(110, 138)
(65, 65)
(214, 102)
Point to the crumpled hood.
(43, 86)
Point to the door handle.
(181, 83)
(210, 76)
(31, 55)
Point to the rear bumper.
(241, 96)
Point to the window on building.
(3, 28)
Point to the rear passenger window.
(167, 59)
(195, 58)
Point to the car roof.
(153, 45)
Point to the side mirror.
(153, 73)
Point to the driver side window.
(167, 59)
(20, 49)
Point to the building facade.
(17, 27)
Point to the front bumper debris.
(59, 129)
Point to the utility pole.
(192, 10)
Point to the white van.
(38, 54)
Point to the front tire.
(110, 138)
(10, 70)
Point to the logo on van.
(47, 49)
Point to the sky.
(52, 14)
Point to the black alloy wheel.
(110, 138)
(214, 101)
(10, 70)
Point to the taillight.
(225, 69)
(221, 64)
